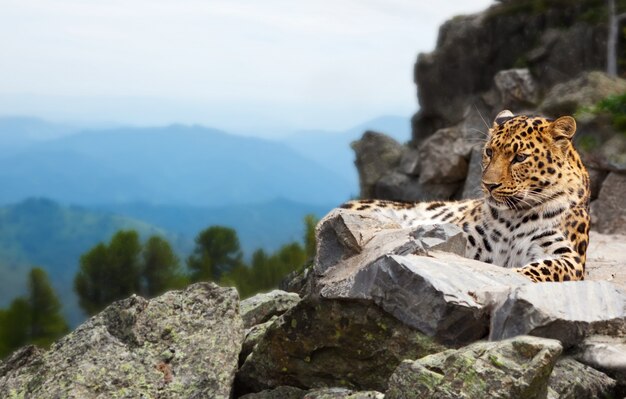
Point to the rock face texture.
(330, 342)
(183, 344)
(609, 210)
(567, 311)
(516, 368)
(376, 153)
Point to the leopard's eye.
(519, 158)
(489, 152)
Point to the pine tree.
(46, 322)
(217, 251)
(160, 268)
(109, 273)
(310, 246)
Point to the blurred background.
(145, 145)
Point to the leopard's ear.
(563, 128)
(502, 117)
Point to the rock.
(277, 393)
(516, 87)
(342, 343)
(606, 257)
(396, 186)
(354, 239)
(604, 353)
(262, 307)
(370, 258)
(576, 46)
(567, 311)
(443, 157)
(596, 178)
(609, 210)
(515, 368)
(342, 393)
(321, 393)
(409, 164)
(584, 91)
(297, 281)
(572, 380)
(376, 154)
(436, 295)
(472, 187)
(180, 344)
(252, 337)
(554, 44)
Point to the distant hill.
(266, 225)
(168, 165)
(332, 149)
(18, 132)
(40, 232)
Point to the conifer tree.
(160, 267)
(46, 322)
(217, 251)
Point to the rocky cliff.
(534, 57)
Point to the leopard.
(533, 215)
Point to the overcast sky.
(232, 64)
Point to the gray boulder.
(567, 311)
(262, 307)
(320, 393)
(573, 380)
(609, 210)
(443, 157)
(326, 343)
(517, 88)
(277, 393)
(376, 154)
(515, 368)
(252, 337)
(472, 186)
(605, 353)
(182, 344)
(397, 186)
(584, 91)
(438, 295)
(369, 257)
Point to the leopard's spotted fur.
(534, 215)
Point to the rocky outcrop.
(584, 91)
(609, 210)
(376, 153)
(183, 344)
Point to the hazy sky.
(233, 64)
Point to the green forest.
(125, 265)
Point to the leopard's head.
(531, 160)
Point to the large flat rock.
(568, 311)
(182, 344)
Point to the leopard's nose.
(491, 186)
